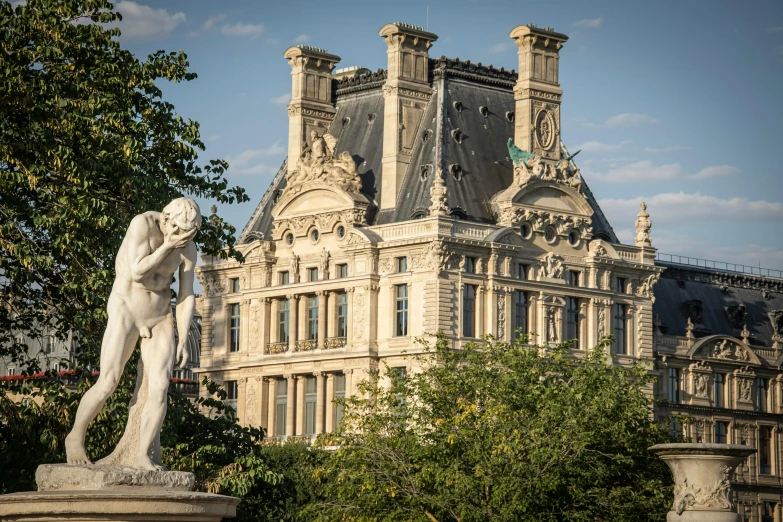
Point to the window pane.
(720, 432)
(401, 310)
(719, 389)
(765, 454)
(674, 385)
(342, 314)
(312, 318)
(620, 342)
(339, 391)
(402, 264)
(281, 407)
(520, 312)
(284, 278)
(468, 310)
(282, 326)
(310, 405)
(521, 271)
(234, 328)
(572, 322)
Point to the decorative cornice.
(442, 67)
(729, 279)
(362, 82)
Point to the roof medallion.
(318, 163)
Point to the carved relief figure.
(156, 246)
(251, 404)
(295, 268)
(501, 316)
(358, 314)
(745, 388)
(318, 163)
(601, 321)
(700, 384)
(551, 328)
(552, 266)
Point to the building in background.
(436, 195)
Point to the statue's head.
(181, 215)
(313, 135)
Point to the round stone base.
(702, 516)
(116, 505)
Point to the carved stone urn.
(702, 474)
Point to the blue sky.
(677, 103)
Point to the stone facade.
(440, 198)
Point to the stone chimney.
(537, 92)
(406, 93)
(311, 107)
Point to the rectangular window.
(282, 320)
(342, 314)
(620, 285)
(520, 312)
(765, 450)
(401, 264)
(675, 428)
(312, 274)
(232, 390)
(572, 322)
(311, 395)
(719, 386)
(234, 329)
(521, 271)
(401, 310)
(281, 407)
(10, 371)
(721, 429)
(285, 278)
(339, 392)
(470, 265)
(761, 394)
(468, 310)
(48, 344)
(768, 512)
(573, 277)
(674, 385)
(312, 317)
(234, 284)
(342, 271)
(620, 341)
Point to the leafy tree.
(499, 431)
(86, 143)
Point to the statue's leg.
(119, 339)
(158, 354)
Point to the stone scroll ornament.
(318, 163)
(156, 246)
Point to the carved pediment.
(723, 347)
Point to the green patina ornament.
(518, 154)
(569, 158)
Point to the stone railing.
(422, 227)
(335, 342)
(275, 348)
(306, 345)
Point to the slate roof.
(463, 132)
(717, 292)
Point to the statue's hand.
(183, 356)
(180, 239)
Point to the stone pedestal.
(702, 474)
(106, 494)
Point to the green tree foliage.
(86, 143)
(501, 432)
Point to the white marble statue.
(155, 247)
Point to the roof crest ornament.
(438, 192)
(643, 226)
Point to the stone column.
(348, 382)
(241, 400)
(264, 403)
(271, 406)
(302, 330)
(349, 333)
(331, 323)
(293, 321)
(322, 318)
(329, 406)
(300, 405)
(206, 331)
(319, 402)
(532, 320)
(480, 298)
(290, 409)
(266, 318)
(274, 310)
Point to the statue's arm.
(186, 300)
(142, 262)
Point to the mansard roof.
(719, 302)
(463, 132)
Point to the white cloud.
(499, 48)
(214, 137)
(240, 29)
(214, 20)
(141, 22)
(246, 161)
(628, 119)
(597, 146)
(590, 23)
(638, 171)
(302, 38)
(718, 171)
(777, 29)
(680, 207)
(672, 148)
(625, 142)
(273, 40)
(283, 99)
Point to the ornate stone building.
(436, 195)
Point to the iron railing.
(719, 265)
